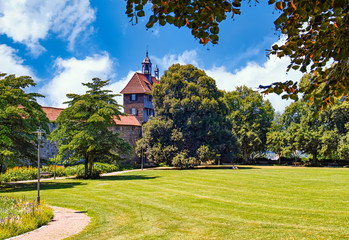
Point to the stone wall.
(48, 149)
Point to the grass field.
(249, 203)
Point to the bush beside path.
(66, 222)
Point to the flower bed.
(18, 216)
(30, 173)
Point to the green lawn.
(250, 203)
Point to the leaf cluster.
(201, 17)
(317, 34)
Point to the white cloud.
(253, 75)
(72, 72)
(187, 57)
(29, 21)
(12, 64)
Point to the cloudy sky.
(62, 43)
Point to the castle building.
(137, 94)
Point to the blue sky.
(61, 43)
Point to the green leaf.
(214, 30)
(141, 14)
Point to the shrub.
(18, 216)
(19, 173)
(31, 173)
(183, 161)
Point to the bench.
(45, 174)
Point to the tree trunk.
(314, 161)
(91, 167)
(86, 166)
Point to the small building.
(137, 94)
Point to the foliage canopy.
(251, 117)
(20, 117)
(322, 137)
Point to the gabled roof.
(128, 120)
(52, 113)
(139, 84)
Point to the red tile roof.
(128, 120)
(139, 84)
(52, 114)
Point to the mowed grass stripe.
(251, 203)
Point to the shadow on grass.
(210, 167)
(225, 167)
(127, 177)
(22, 187)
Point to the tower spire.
(146, 67)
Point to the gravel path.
(66, 222)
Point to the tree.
(317, 33)
(20, 117)
(319, 136)
(251, 117)
(85, 128)
(343, 146)
(190, 114)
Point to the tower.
(146, 67)
(156, 72)
(137, 94)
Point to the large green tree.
(85, 128)
(251, 117)
(321, 136)
(20, 117)
(190, 120)
(317, 34)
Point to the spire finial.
(147, 52)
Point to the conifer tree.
(85, 128)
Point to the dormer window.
(133, 97)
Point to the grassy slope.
(251, 203)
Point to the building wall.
(138, 104)
(48, 149)
(130, 134)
